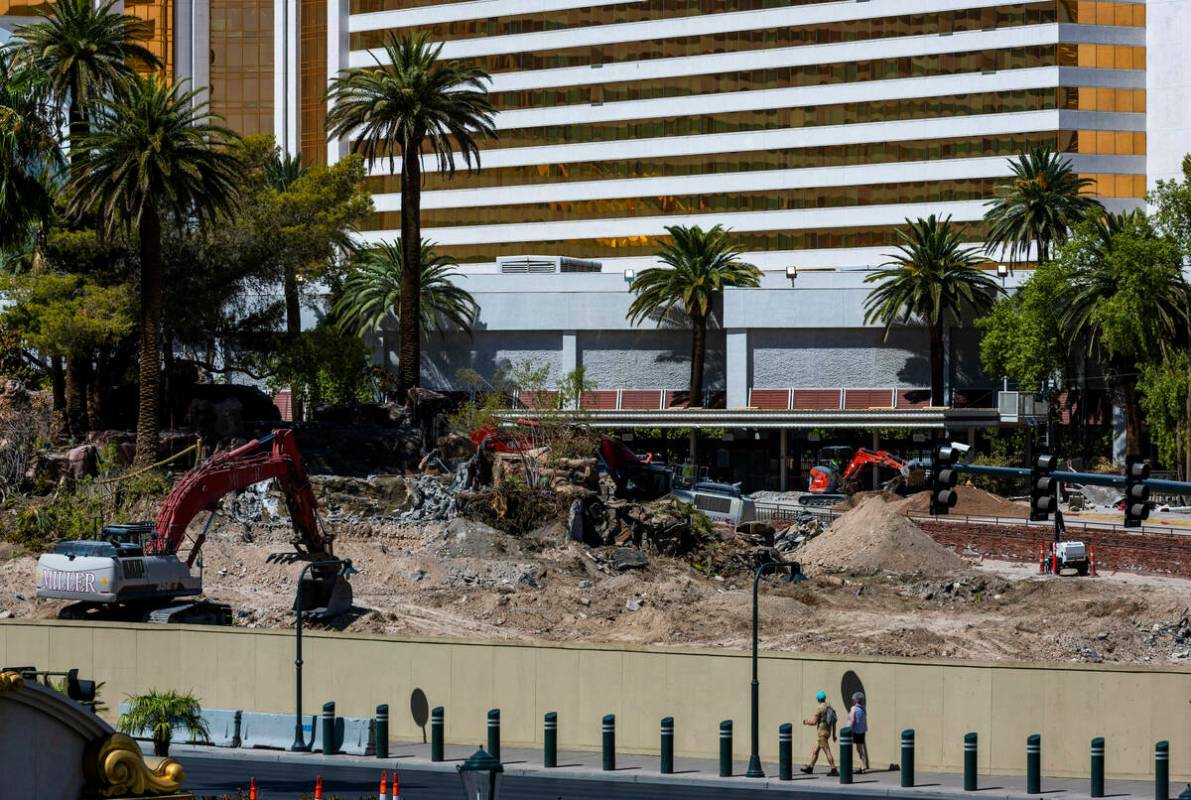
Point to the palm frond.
(1038, 206)
(371, 293)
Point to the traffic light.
(1137, 494)
(943, 477)
(1044, 489)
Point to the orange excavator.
(831, 481)
(137, 572)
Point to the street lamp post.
(345, 564)
(793, 573)
(480, 775)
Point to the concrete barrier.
(274, 731)
(221, 728)
(355, 736)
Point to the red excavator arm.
(864, 457)
(234, 470)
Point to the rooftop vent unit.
(544, 265)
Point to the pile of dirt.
(973, 502)
(874, 538)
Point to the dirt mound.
(972, 501)
(874, 538)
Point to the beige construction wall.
(1133, 707)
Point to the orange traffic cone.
(1041, 559)
(318, 787)
(383, 794)
(396, 787)
(1092, 559)
(252, 789)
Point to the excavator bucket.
(323, 597)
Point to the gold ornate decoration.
(10, 682)
(115, 766)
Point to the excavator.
(830, 484)
(135, 572)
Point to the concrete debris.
(806, 527)
(633, 605)
(625, 558)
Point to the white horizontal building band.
(674, 27)
(786, 138)
(790, 97)
(738, 221)
(458, 12)
(809, 55)
(754, 141)
(757, 181)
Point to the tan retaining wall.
(253, 670)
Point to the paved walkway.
(586, 765)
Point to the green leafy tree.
(1125, 300)
(934, 280)
(1163, 389)
(160, 713)
(1171, 204)
(371, 292)
(87, 51)
(409, 104)
(1022, 337)
(153, 153)
(697, 266)
(324, 366)
(1038, 206)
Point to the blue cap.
(821, 696)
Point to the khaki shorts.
(824, 737)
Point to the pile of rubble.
(806, 527)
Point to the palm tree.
(699, 265)
(371, 293)
(409, 103)
(153, 153)
(1039, 206)
(1126, 300)
(160, 713)
(933, 279)
(86, 50)
(283, 169)
(29, 152)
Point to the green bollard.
(1162, 770)
(608, 732)
(437, 735)
(845, 755)
(329, 744)
(494, 733)
(970, 762)
(550, 741)
(1034, 764)
(726, 749)
(1098, 767)
(907, 758)
(785, 752)
(381, 729)
(667, 754)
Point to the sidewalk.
(586, 766)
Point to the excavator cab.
(825, 476)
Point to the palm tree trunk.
(698, 355)
(293, 330)
(410, 345)
(147, 425)
(78, 128)
(58, 392)
(161, 747)
(936, 364)
(1132, 416)
(78, 370)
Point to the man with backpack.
(824, 722)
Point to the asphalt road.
(220, 777)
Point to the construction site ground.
(865, 597)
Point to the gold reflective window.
(242, 64)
